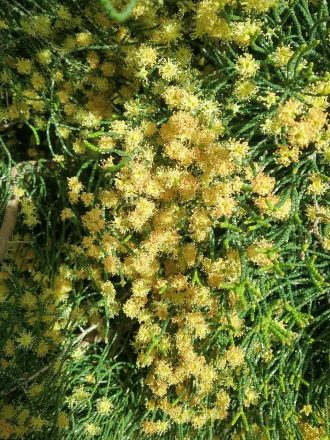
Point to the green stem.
(114, 13)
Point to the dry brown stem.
(8, 222)
(8, 226)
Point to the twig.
(9, 221)
(26, 381)
(23, 381)
(85, 332)
(8, 226)
(11, 212)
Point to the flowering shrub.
(165, 219)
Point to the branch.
(9, 221)
(85, 333)
(11, 211)
(26, 381)
(23, 381)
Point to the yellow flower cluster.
(209, 20)
(153, 172)
(171, 210)
(299, 125)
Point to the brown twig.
(8, 226)
(85, 333)
(25, 381)
(9, 221)
(11, 212)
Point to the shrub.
(167, 166)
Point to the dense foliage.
(168, 275)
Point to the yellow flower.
(79, 396)
(317, 186)
(35, 390)
(61, 288)
(108, 69)
(234, 356)
(37, 423)
(269, 99)
(64, 13)
(287, 154)
(66, 214)
(23, 416)
(244, 31)
(44, 56)
(263, 184)
(307, 409)
(143, 212)
(42, 348)
(41, 25)
(90, 378)
(104, 406)
(8, 412)
(245, 90)
(144, 56)
(92, 430)
(170, 30)
(247, 66)
(189, 252)
(282, 55)
(9, 348)
(199, 226)
(168, 70)
(93, 220)
(38, 81)
(75, 188)
(150, 427)
(25, 339)
(4, 292)
(84, 39)
(261, 253)
(250, 397)
(3, 25)
(62, 420)
(24, 66)
(259, 5)
(87, 198)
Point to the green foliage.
(89, 104)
